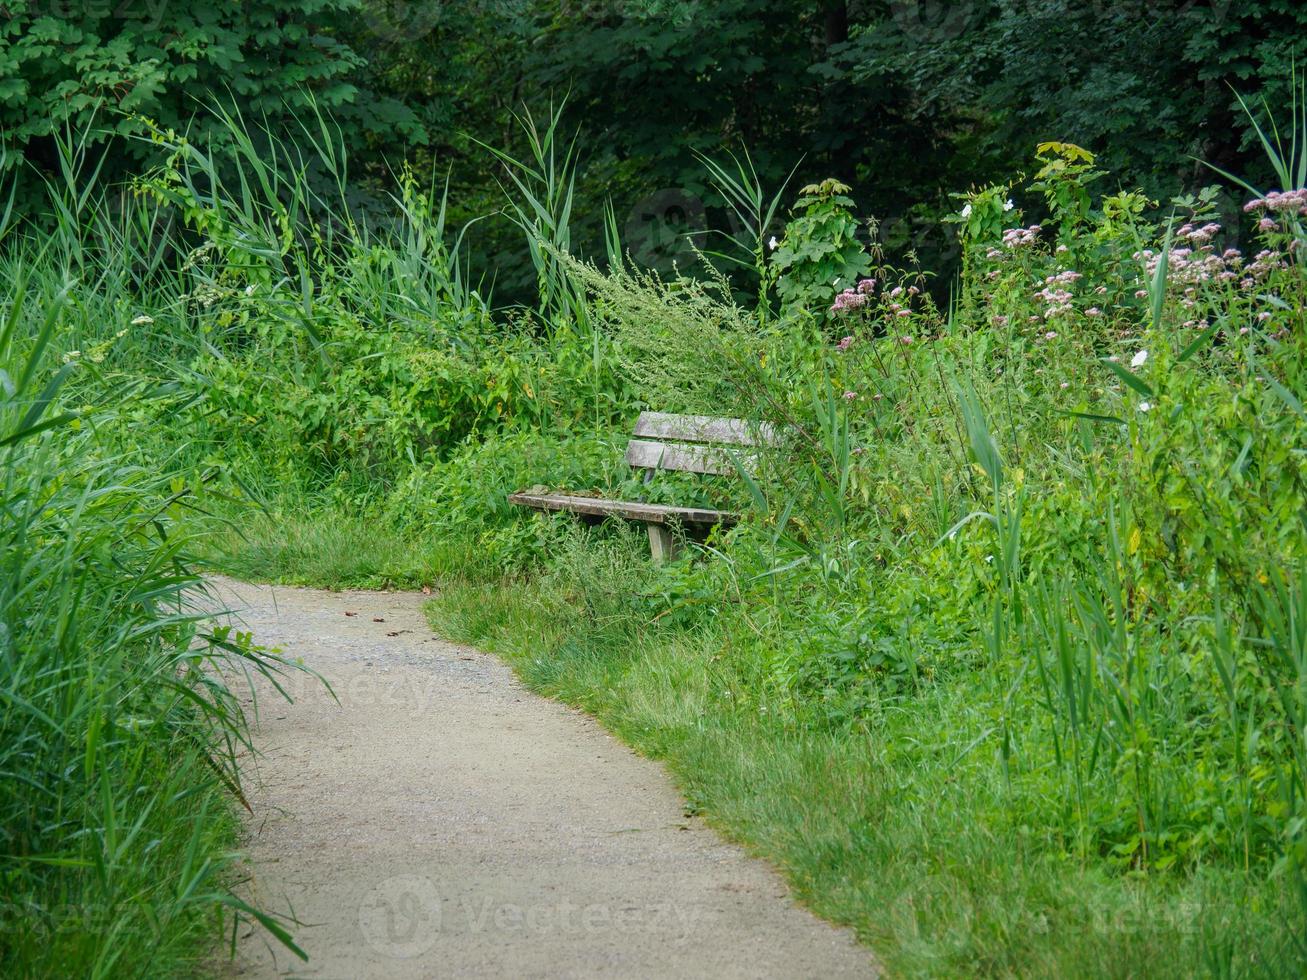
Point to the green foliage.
(1064, 176)
(465, 498)
(821, 253)
(109, 67)
(118, 734)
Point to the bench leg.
(662, 545)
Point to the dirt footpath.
(442, 821)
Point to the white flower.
(1145, 406)
(142, 320)
(1008, 205)
(249, 290)
(1138, 360)
(772, 243)
(966, 211)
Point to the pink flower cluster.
(1198, 235)
(1056, 297)
(848, 300)
(1190, 266)
(1291, 202)
(1020, 237)
(854, 299)
(892, 302)
(1263, 264)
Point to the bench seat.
(628, 509)
(663, 442)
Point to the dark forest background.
(905, 101)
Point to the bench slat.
(703, 428)
(643, 454)
(628, 509)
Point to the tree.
(103, 66)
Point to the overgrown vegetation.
(118, 735)
(1006, 665)
(905, 100)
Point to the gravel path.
(442, 821)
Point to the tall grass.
(119, 736)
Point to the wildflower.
(1060, 249)
(1000, 321)
(1064, 385)
(1101, 291)
(1050, 335)
(848, 300)
(966, 211)
(905, 339)
(1141, 294)
(1145, 406)
(1139, 359)
(772, 243)
(866, 285)
(850, 395)
(1008, 205)
(1264, 316)
(1093, 311)
(844, 344)
(903, 313)
(142, 320)
(1285, 201)
(1019, 237)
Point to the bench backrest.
(693, 443)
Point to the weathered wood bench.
(678, 443)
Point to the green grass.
(882, 828)
(333, 552)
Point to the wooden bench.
(679, 443)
